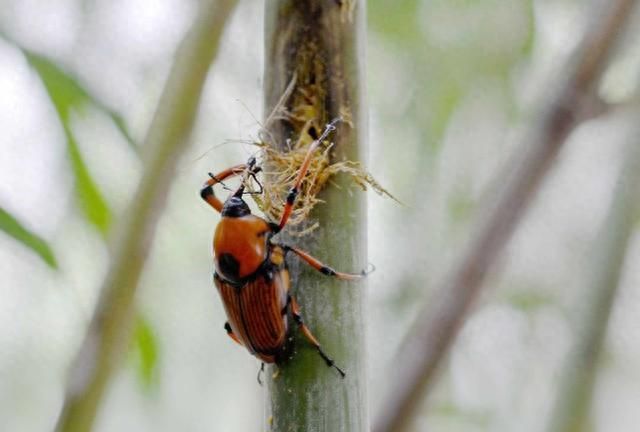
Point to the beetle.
(251, 272)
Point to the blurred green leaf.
(66, 95)
(122, 127)
(446, 99)
(146, 352)
(14, 228)
(396, 20)
(91, 201)
(449, 409)
(461, 206)
(530, 300)
(527, 46)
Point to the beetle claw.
(329, 361)
(336, 367)
(370, 269)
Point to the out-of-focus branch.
(596, 107)
(574, 397)
(432, 335)
(110, 331)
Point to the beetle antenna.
(331, 126)
(217, 179)
(224, 186)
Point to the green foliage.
(89, 196)
(67, 95)
(14, 228)
(64, 91)
(146, 353)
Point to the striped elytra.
(256, 309)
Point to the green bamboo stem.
(306, 394)
(110, 330)
(572, 408)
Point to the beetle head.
(235, 206)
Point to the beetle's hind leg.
(260, 373)
(231, 334)
(324, 269)
(295, 310)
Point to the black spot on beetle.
(229, 267)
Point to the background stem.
(437, 326)
(110, 330)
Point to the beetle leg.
(207, 189)
(293, 192)
(231, 334)
(295, 310)
(260, 372)
(326, 270)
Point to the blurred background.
(451, 86)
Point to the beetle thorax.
(240, 246)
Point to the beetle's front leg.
(324, 269)
(206, 193)
(295, 189)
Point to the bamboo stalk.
(437, 326)
(109, 333)
(318, 42)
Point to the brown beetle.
(251, 271)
